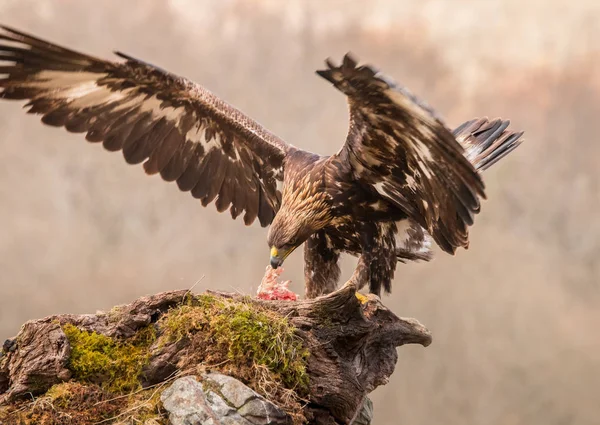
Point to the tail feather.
(486, 142)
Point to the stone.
(186, 403)
(262, 412)
(236, 393)
(218, 400)
(254, 408)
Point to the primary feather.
(174, 126)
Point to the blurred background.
(515, 318)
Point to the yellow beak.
(277, 257)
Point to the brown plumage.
(401, 178)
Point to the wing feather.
(175, 127)
(399, 147)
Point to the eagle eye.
(291, 243)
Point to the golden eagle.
(401, 178)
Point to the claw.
(361, 298)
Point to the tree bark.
(352, 347)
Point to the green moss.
(116, 365)
(246, 334)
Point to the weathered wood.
(37, 357)
(352, 347)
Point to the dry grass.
(76, 403)
(66, 404)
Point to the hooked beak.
(277, 256)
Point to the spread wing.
(397, 146)
(174, 126)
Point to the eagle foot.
(361, 298)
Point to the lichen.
(115, 365)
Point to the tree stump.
(351, 343)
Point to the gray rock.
(236, 393)
(252, 407)
(218, 400)
(221, 409)
(186, 403)
(261, 412)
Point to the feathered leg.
(377, 262)
(321, 269)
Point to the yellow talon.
(363, 299)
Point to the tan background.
(515, 319)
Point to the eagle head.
(286, 234)
(300, 216)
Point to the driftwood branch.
(352, 347)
